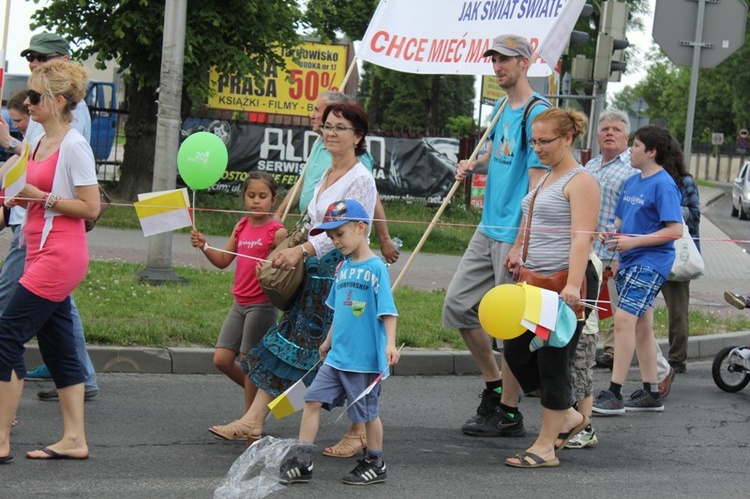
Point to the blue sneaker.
(39, 373)
(607, 404)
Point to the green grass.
(117, 310)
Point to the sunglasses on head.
(34, 96)
(41, 57)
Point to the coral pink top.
(256, 242)
(53, 271)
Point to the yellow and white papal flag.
(15, 178)
(163, 211)
(289, 402)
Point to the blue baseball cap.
(341, 212)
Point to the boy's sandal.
(349, 446)
(236, 430)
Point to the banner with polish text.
(450, 36)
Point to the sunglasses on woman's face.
(34, 96)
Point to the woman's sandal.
(349, 446)
(252, 438)
(236, 430)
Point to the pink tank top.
(53, 271)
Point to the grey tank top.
(549, 242)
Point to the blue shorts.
(331, 385)
(637, 287)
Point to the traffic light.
(580, 37)
(611, 42)
(581, 67)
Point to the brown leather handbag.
(281, 286)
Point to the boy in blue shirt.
(648, 218)
(360, 345)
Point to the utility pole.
(159, 259)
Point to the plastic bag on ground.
(255, 474)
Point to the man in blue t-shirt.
(512, 168)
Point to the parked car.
(741, 193)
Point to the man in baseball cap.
(46, 46)
(512, 167)
(510, 45)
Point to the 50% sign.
(309, 84)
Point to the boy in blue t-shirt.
(648, 218)
(360, 346)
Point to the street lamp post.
(159, 259)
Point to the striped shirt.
(611, 177)
(549, 242)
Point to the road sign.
(723, 30)
(717, 139)
(639, 106)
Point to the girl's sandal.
(349, 446)
(236, 430)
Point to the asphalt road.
(148, 439)
(719, 212)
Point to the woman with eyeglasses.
(557, 234)
(290, 348)
(61, 192)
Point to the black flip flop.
(54, 455)
(6, 459)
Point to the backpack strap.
(531, 104)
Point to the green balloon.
(201, 160)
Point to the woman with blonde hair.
(558, 229)
(61, 191)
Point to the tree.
(241, 36)
(328, 17)
(406, 101)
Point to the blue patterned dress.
(290, 348)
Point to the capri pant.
(549, 368)
(28, 315)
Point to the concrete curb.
(413, 363)
(711, 195)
